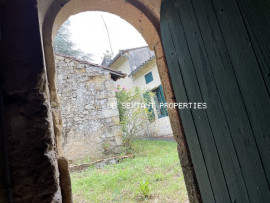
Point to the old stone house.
(140, 66)
(90, 122)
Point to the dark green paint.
(213, 56)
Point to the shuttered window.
(148, 77)
(160, 99)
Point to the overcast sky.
(90, 35)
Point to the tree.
(64, 45)
(108, 55)
(107, 58)
(134, 119)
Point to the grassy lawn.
(155, 162)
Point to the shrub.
(133, 119)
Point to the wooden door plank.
(249, 78)
(187, 119)
(201, 119)
(224, 73)
(256, 17)
(229, 72)
(219, 124)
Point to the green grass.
(156, 162)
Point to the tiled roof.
(136, 56)
(142, 65)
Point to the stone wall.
(28, 162)
(90, 124)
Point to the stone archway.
(144, 16)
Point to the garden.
(153, 175)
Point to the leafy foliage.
(144, 189)
(108, 55)
(133, 119)
(64, 45)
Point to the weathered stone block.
(106, 113)
(116, 120)
(118, 149)
(109, 84)
(99, 86)
(101, 94)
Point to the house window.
(160, 99)
(148, 77)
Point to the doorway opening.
(98, 126)
(148, 25)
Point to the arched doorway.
(145, 18)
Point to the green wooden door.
(218, 52)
